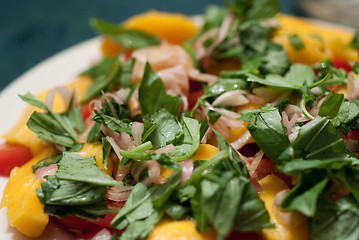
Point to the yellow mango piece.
(24, 209)
(237, 132)
(21, 134)
(271, 185)
(320, 41)
(89, 150)
(166, 26)
(110, 48)
(179, 230)
(205, 152)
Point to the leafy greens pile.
(219, 194)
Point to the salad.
(240, 125)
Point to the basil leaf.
(77, 168)
(51, 126)
(153, 97)
(266, 128)
(113, 123)
(319, 140)
(303, 197)
(104, 76)
(296, 41)
(350, 176)
(168, 129)
(126, 37)
(331, 105)
(335, 220)
(188, 146)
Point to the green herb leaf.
(126, 37)
(296, 41)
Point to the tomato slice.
(193, 97)
(13, 155)
(341, 63)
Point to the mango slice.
(271, 185)
(24, 209)
(164, 25)
(179, 230)
(320, 41)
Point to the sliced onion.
(115, 147)
(137, 131)
(227, 113)
(256, 160)
(65, 94)
(121, 172)
(166, 149)
(231, 98)
(175, 78)
(137, 168)
(119, 193)
(154, 171)
(46, 171)
(187, 170)
(195, 74)
(201, 51)
(233, 123)
(243, 140)
(353, 87)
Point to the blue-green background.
(33, 30)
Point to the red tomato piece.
(13, 155)
(193, 97)
(341, 63)
(351, 135)
(85, 110)
(86, 225)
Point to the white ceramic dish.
(57, 70)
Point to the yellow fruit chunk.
(110, 48)
(172, 27)
(205, 152)
(237, 132)
(271, 185)
(179, 230)
(21, 134)
(320, 41)
(24, 209)
(89, 150)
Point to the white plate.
(57, 70)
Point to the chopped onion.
(46, 171)
(243, 140)
(166, 149)
(195, 74)
(187, 170)
(227, 113)
(256, 160)
(231, 98)
(119, 193)
(115, 147)
(104, 234)
(137, 131)
(121, 172)
(65, 94)
(154, 171)
(353, 87)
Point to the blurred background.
(32, 31)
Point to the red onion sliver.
(46, 171)
(166, 149)
(187, 170)
(137, 131)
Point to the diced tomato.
(193, 97)
(194, 86)
(351, 135)
(85, 110)
(86, 225)
(13, 155)
(341, 63)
